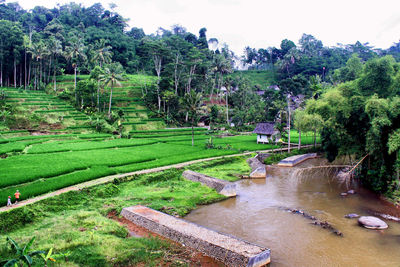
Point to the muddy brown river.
(258, 214)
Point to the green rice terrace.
(56, 115)
(39, 164)
(127, 98)
(68, 151)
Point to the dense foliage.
(361, 116)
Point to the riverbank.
(265, 214)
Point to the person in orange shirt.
(17, 194)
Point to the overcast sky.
(262, 23)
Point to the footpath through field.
(110, 178)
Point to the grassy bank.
(76, 223)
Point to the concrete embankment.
(257, 168)
(223, 187)
(294, 160)
(225, 248)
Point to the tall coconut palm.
(288, 60)
(222, 66)
(102, 53)
(38, 51)
(113, 75)
(192, 103)
(227, 83)
(74, 52)
(55, 49)
(27, 44)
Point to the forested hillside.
(41, 44)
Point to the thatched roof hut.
(264, 131)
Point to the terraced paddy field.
(72, 153)
(56, 114)
(39, 164)
(127, 98)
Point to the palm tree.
(55, 49)
(27, 44)
(38, 51)
(289, 59)
(102, 53)
(227, 83)
(74, 52)
(35, 53)
(222, 66)
(192, 103)
(95, 75)
(113, 74)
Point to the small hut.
(265, 131)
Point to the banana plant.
(22, 254)
(48, 257)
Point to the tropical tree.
(95, 74)
(191, 104)
(300, 123)
(38, 51)
(288, 60)
(157, 51)
(228, 84)
(113, 75)
(102, 53)
(221, 66)
(55, 49)
(74, 52)
(27, 45)
(394, 147)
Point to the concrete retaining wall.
(257, 168)
(225, 248)
(294, 160)
(223, 187)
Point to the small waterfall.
(299, 174)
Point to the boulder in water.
(351, 215)
(343, 194)
(372, 222)
(351, 192)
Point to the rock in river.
(372, 222)
(351, 215)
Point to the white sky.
(262, 23)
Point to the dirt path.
(110, 178)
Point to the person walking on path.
(17, 194)
(9, 201)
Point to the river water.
(258, 214)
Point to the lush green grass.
(47, 164)
(307, 138)
(75, 222)
(39, 164)
(229, 169)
